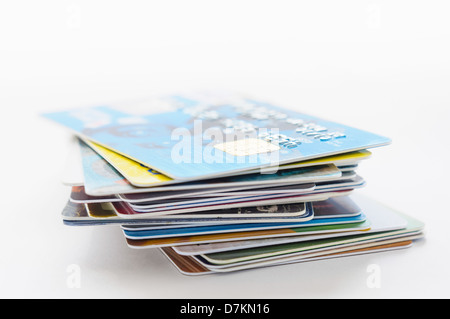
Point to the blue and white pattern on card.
(199, 140)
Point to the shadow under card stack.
(225, 183)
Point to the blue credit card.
(230, 228)
(227, 228)
(198, 141)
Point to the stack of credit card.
(221, 184)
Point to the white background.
(377, 65)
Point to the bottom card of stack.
(389, 230)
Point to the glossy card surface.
(213, 140)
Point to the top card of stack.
(201, 139)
